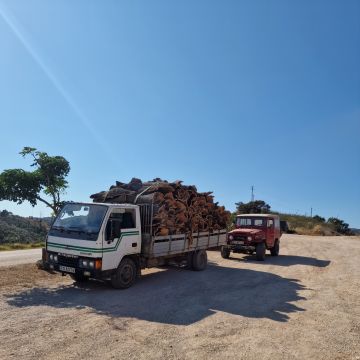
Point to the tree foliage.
(253, 207)
(319, 218)
(339, 225)
(46, 183)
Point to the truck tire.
(190, 259)
(260, 252)
(225, 252)
(199, 260)
(79, 278)
(125, 275)
(275, 249)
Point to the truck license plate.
(238, 242)
(67, 269)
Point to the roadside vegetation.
(18, 232)
(19, 246)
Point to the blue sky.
(221, 94)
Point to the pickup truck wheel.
(275, 249)
(199, 260)
(125, 274)
(260, 252)
(225, 252)
(79, 278)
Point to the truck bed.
(157, 246)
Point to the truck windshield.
(79, 221)
(250, 221)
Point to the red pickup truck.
(254, 233)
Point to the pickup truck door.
(121, 237)
(270, 233)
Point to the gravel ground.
(304, 304)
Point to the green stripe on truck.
(95, 250)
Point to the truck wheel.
(125, 274)
(260, 252)
(199, 260)
(190, 259)
(225, 252)
(79, 278)
(276, 248)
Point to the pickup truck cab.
(254, 233)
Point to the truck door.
(121, 236)
(270, 233)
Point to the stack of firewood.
(178, 209)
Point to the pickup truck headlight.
(231, 237)
(249, 238)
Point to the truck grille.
(240, 237)
(68, 261)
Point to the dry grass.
(18, 246)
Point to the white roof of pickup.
(257, 215)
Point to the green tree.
(253, 207)
(319, 218)
(339, 225)
(46, 183)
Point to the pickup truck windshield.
(250, 221)
(79, 221)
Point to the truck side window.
(127, 221)
(270, 223)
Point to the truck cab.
(254, 233)
(91, 240)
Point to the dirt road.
(17, 257)
(304, 304)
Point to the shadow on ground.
(177, 296)
(284, 260)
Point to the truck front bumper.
(73, 267)
(241, 248)
(67, 270)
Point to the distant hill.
(18, 229)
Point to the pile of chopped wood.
(178, 208)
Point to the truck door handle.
(134, 244)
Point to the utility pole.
(311, 212)
(252, 193)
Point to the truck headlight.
(89, 264)
(55, 258)
(249, 238)
(231, 237)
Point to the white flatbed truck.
(114, 242)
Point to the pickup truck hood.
(245, 231)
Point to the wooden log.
(177, 208)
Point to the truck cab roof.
(109, 205)
(258, 215)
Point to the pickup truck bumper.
(241, 248)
